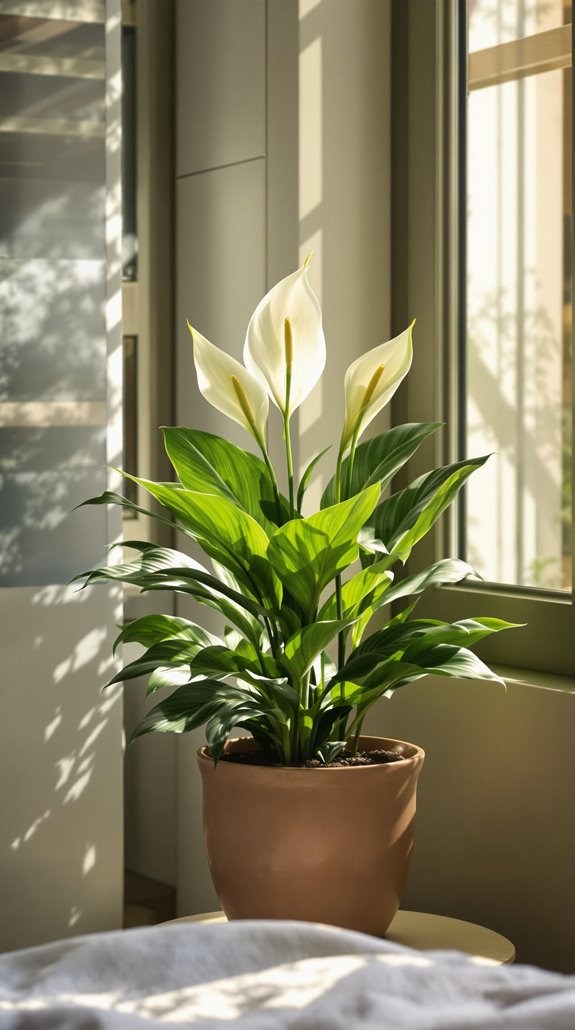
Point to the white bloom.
(229, 387)
(371, 381)
(286, 329)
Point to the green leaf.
(208, 464)
(235, 608)
(465, 634)
(225, 532)
(164, 569)
(167, 677)
(304, 646)
(200, 584)
(441, 573)
(166, 654)
(219, 659)
(152, 560)
(110, 497)
(232, 637)
(304, 482)
(308, 553)
(359, 592)
(330, 750)
(416, 642)
(283, 695)
(324, 668)
(151, 629)
(404, 518)
(460, 663)
(443, 660)
(188, 707)
(378, 459)
(395, 636)
(338, 692)
(219, 727)
(365, 594)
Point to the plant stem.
(261, 662)
(245, 406)
(337, 485)
(338, 600)
(350, 461)
(357, 723)
(272, 639)
(273, 480)
(289, 460)
(288, 345)
(305, 691)
(356, 736)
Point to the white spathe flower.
(229, 387)
(285, 345)
(371, 381)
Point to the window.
(53, 376)
(482, 182)
(516, 526)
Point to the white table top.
(425, 932)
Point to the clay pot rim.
(417, 755)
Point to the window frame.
(429, 78)
(148, 298)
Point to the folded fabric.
(269, 975)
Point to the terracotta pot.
(328, 845)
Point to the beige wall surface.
(60, 766)
(495, 837)
(220, 83)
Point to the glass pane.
(52, 296)
(492, 22)
(53, 349)
(44, 473)
(519, 312)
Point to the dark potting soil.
(377, 757)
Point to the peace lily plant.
(287, 585)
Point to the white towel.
(269, 975)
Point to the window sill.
(533, 678)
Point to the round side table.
(425, 932)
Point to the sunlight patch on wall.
(15, 844)
(310, 128)
(89, 859)
(53, 726)
(307, 6)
